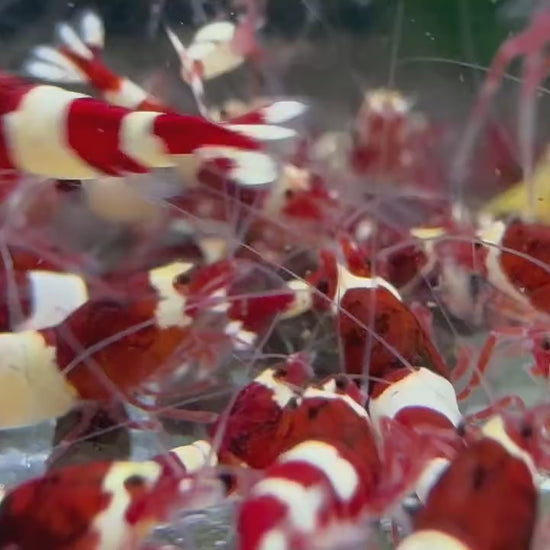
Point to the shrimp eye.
(289, 193)
(228, 480)
(322, 286)
(461, 430)
(134, 482)
(341, 383)
(293, 403)
(281, 372)
(545, 344)
(526, 431)
(182, 279)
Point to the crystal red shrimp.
(440, 259)
(209, 55)
(45, 373)
(250, 426)
(78, 60)
(215, 49)
(342, 270)
(35, 386)
(100, 505)
(312, 487)
(274, 412)
(83, 138)
(335, 412)
(486, 499)
(354, 313)
(46, 298)
(425, 402)
(355, 296)
(392, 143)
(44, 293)
(515, 259)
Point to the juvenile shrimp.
(215, 49)
(392, 143)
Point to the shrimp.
(84, 138)
(487, 498)
(311, 488)
(391, 142)
(355, 295)
(424, 401)
(250, 426)
(515, 256)
(104, 505)
(153, 328)
(77, 60)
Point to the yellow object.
(517, 199)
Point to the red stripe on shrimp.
(93, 131)
(183, 134)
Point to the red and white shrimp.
(251, 425)
(40, 294)
(362, 300)
(100, 505)
(423, 401)
(392, 143)
(77, 59)
(215, 49)
(83, 138)
(487, 498)
(333, 410)
(437, 261)
(155, 328)
(274, 412)
(515, 257)
(312, 488)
